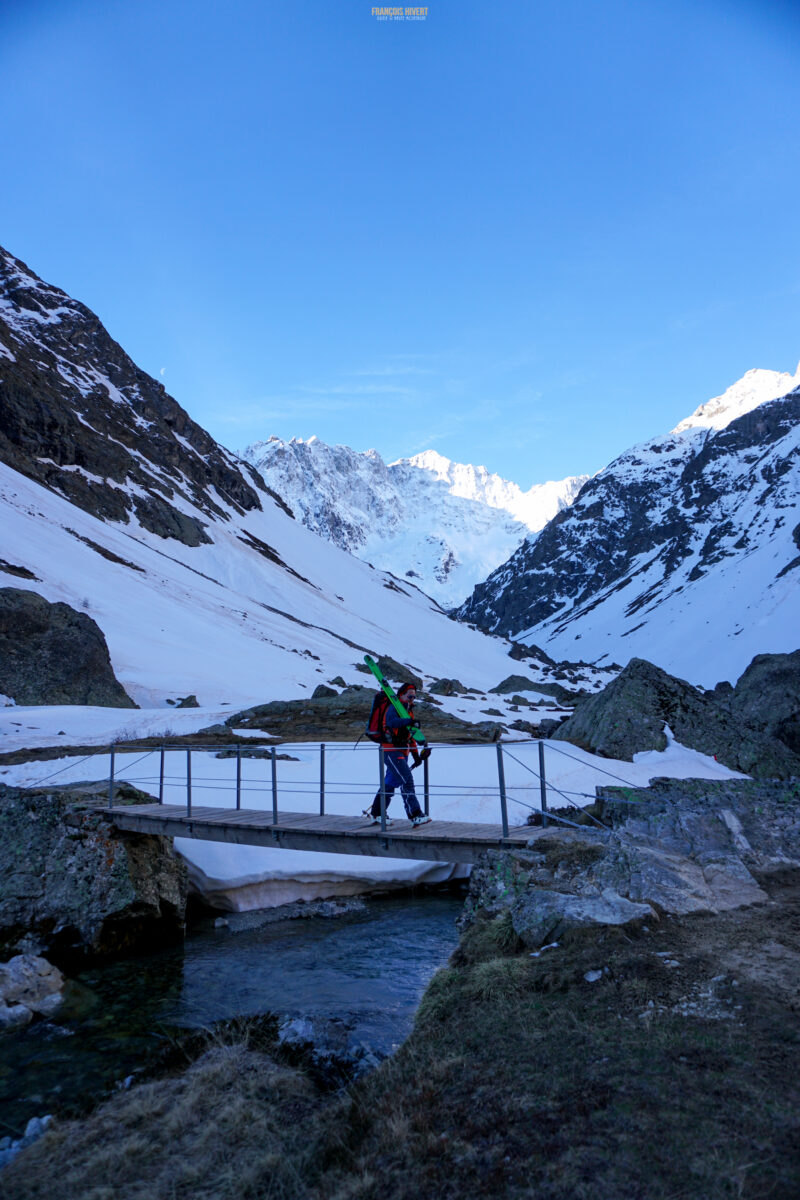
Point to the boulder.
(519, 683)
(32, 984)
(395, 672)
(726, 824)
(52, 654)
(514, 683)
(525, 727)
(539, 916)
(767, 697)
(678, 847)
(520, 652)
(79, 886)
(447, 687)
(629, 716)
(14, 1016)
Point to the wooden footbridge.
(439, 841)
(436, 841)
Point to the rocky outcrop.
(550, 888)
(52, 654)
(767, 697)
(540, 916)
(754, 822)
(448, 687)
(29, 986)
(342, 717)
(629, 715)
(680, 846)
(74, 887)
(391, 669)
(520, 683)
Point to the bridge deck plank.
(444, 841)
(334, 822)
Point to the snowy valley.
(117, 505)
(444, 525)
(119, 508)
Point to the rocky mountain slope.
(683, 551)
(443, 524)
(82, 419)
(114, 502)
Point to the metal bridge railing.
(191, 782)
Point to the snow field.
(712, 635)
(220, 620)
(35, 726)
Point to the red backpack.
(375, 728)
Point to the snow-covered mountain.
(533, 508)
(684, 551)
(444, 525)
(756, 387)
(114, 501)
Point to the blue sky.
(524, 234)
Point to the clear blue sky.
(526, 234)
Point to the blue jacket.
(398, 728)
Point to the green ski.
(396, 704)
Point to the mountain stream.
(365, 970)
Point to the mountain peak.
(756, 387)
(448, 470)
(533, 508)
(431, 460)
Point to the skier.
(396, 743)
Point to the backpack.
(375, 728)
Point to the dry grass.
(523, 1080)
(230, 1125)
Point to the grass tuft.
(498, 980)
(485, 939)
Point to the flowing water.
(367, 968)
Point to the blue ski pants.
(398, 775)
